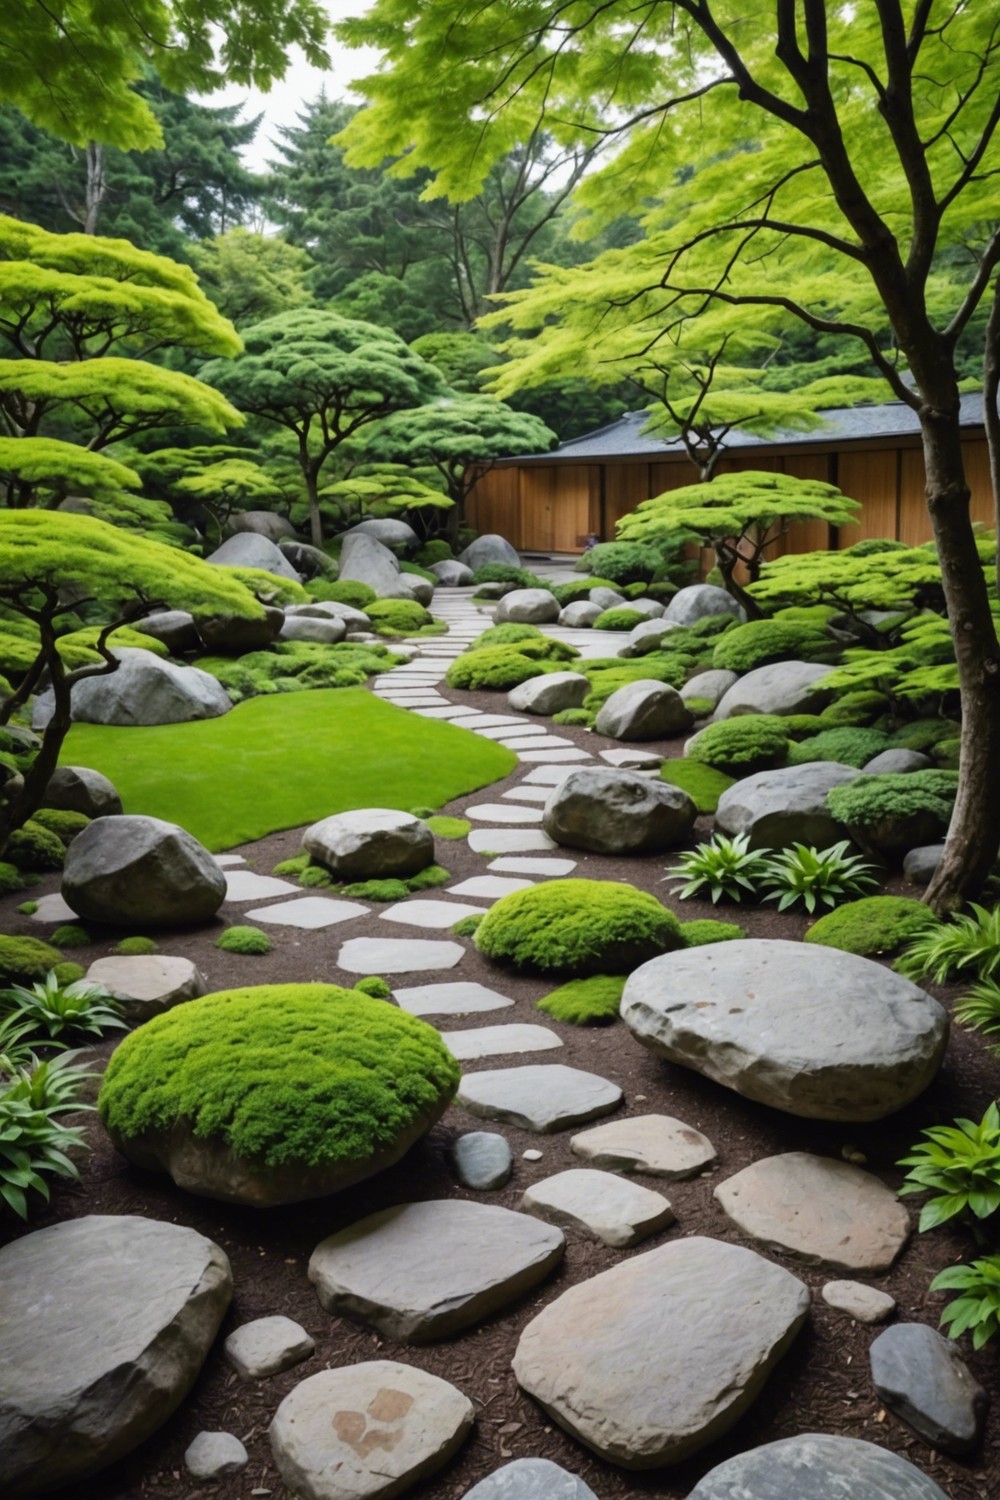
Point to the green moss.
(925, 734)
(466, 926)
(416, 571)
(625, 562)
(874, 925)
(700, 707)
(428, 878)
(495, 669)
(867, 800)
(579, 589)
(762, 641)
(578, 716)
(703, 784)
(586, 1002)
(706, 930)
(396, 617)
(947, 753)
(518, 578)
(346, 591)
(849, 746)
(33, 847)
(134, 947)
(801, 726)
(26, 958)
(68, 973)
(577, 927)
(294, 666)
(65, 825)
(27, 908)
(433, 552)
(315, 877)
(70, 936)
(377, 890)
(608, 674)
(749, 743)
(374, 986)
(307, 1073)
(507, 634)
(620, 618)
(859, 707)
(244, 940)
(11, 879)
(295, 866)
(444, 827)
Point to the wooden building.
(552, 502)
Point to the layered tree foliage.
(251, 276)
(386, 490)
(829, 163)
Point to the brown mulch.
(822, 1385)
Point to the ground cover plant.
(723, 867)
(741, 746)
(259, 749)
(703, 783)
(873, 925)
(577, 927)
(586, 1002)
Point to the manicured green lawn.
(286, 759)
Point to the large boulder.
(527, 607)
(699, 600)
(549, 694)
(897, 762)
(487, 549)
(606, 598)
(174, 628)
(133, 871)
(580, 615)
(265, 523)
(331, 609)
(817, 1466)
(79, 789)
(412, 586)
(106, 1323)
(786, 806)
(308, 628)
(308, 561)
(809, 1030)
(363, 559)
(228, 633)
(710, 686)
(644, 710)
(451, 574)
(248, 550)
(647, 636)
(617, 812)
(398, 536)
(143, 689)
(372, 843)
(783, 687)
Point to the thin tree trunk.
(315, 517)
(727, 559)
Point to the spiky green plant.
(960, 1164)
(816, 877)
(969, 941)
(977, 1311)
(53, 1007)
(725, 867)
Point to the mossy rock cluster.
(578, 927)
(741, 746)
(496, 669)
(703, 783)
(761, 642)
(276, 1093)
(849, 745)
(893, 813)
(293, 666)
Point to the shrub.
(964, 942)
(26, 958)
(28, 908)
(435, 551)
(304, 1073)
(11, 879)
(374, 986)
(32, 847)
(925, 734)
(68, 973)
(869, 801)
(703, 783)
(875, 924)
(495, 669)
(429, 877)
(801, 726)
(608, 675)
(466, 926)
(624, 562)
(741, 746)
(577, 927)
(244, 940)
(377, 890)
(510, 633)
(518, 578)
(849, 746)
(723, 867)
(394, 617)
(578, 716)
(978, 1309)
(33, 1143)
(292, 666)
(762, 641)
(70, 936)
(579, 588)
(134, 947)
(619, 618)
(859, 707)
(53, 1007)
(706, 930)
(960, 1163)
(816, 877)
(343, 591)
(586, 1002)
(65, 825)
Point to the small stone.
(864, 1303)
(371, 843)
(923, 1379)
(430, 915)
(247, 885)
(543, 1097)
(267, 1346)
(657, 1144)
(816, 1466)
(550, 694)
(530, 1479)
(509, 840)
(483, 1160)
(532, 1155)
(148, 983)
(215, 1455)
(617, 1213)
(309, 913)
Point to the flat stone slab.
(508, 840)
(310, 913)
(524, 731)
(482, 1160)
(543, 1096)
(53, 909)
(528, 793)
(503, 812)
(603, 1206)
(368, 1431)
(106, 1322)
(267, 1346)
(532, 740)
(632, 760)
(423, 1271)
(215, 1455)
(815, 1466)
(923, 1379)
(226, 861)
(514, 865)
(245, 885)
(806, 1029)
(460, 997)
(547, 775)
(499, 1041)
(437, 916)
(489, 887)
(650, 1361)
(656, 1144)
(866, 1304)
(534, 756)
(148, 983)
(823, 1212)
(397, 955)
(530, 1479)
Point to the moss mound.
(133, 947)
(70, 936)
(346, 591)
(703, 784)
(578, 716)
(244, 940)
(65, 825)
(294, 1073)
(741, 746)
(398, 616)
(374, 986)
(444, 827)
(870, 801)
(762, 641)
(586, 1002)
(34, 847)
(620, 618)
(851, 746)
(706, 930)
(578, 927)
(875, 924)
(495, 669)
(26, 958)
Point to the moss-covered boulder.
(578, 927)
(276, 1093)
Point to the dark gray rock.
(227, 633)
(134, 871)
(816, 1466)
(143, 689)
(607, 598)
(451, 574)
(79, 789)
(643, 710)
(786, 806)
(371, 843)
(897, 761)
(617, 812)
(487, 549)
(330, 609)
(308, 628)
(920, 865)
(483, 1160)
(175, 628)
(265, 523)
(923, 1379)
(647, 636)
(530, 1479)
(783, 687)
(549, 694)
(527, 607)
(308, 561)
(363, 559)
(701, 599)
(248, 550)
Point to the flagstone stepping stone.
(245, 885)
(439, 915)
(551, 693)
(423, 1271)
(502, 812)
(482, 1160)
(448, 712)
(528, 793)
(106, 1322)
(498, 1041)
(866, 1304)
(397, 955)
(547, 776)
(371, 843)
(489, 887)
(605, 1207)
(824, 1212)
(416, 704)
(148, 983)
(508, 840)
(309, 913)
(656, 1144)
(367, 1431)
(537, 733)
(215, 1455)
(532, 740)
(816, 1466)
(530, 1479)
(810, 1030)
(457, 998)
(227, 860)
(922, 1378)
(553, 755)
(517, 866)
(477, 720)
(650, 1361)
(267, 1346)
(542, 1096)
(53, 909)
(633, 760)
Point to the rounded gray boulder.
(527, 607)
(617, 812)
(371, 843)
(701, 599)
(145, 689)
(786, 806)
(79, 789)
(134, 871)
(489, 548)
(451, 574)
(817, 1466)
(550, 694)
(327, 632)
(249, 550)
(644, 710)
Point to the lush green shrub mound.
(703, 783)
(620, 618)
(849, 746)
(292, 666)
(26, 958)
(586, 1002)
(444, 827)
(578, 927)
(707, 930)
(579, 588)
(398, 616)
(343, 591)
(762, 641)
(578, 716)
(65, 825)
(860, 707)
(495, 669)
(506, 573)
(373, 985)
(625, 562)
(875, 924)
(244, 940)
(70, 936)
(34, 847)
(11, 879)
(466, 926)
(303, 1073)
(867, 801)
(608, 674)
(433, 552)
(510, 633)
(740, 746)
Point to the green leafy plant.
(966, 941)
(960, 1164)
(33, 1141)
(977, 1311)
(979, 1009)
(723, 867)
(816, 877)
(55, 1007)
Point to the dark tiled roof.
(625, 438)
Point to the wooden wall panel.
(914, 522)
(495, 504)
(977, 472)
(625, 485)
(870, 478)
(807, 536)
(555, 508)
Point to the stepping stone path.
(657, 1144)
(244, 885)
(816, 1466)
(866, 1304)
(489, 887)
(515, 865)
(543, 1097)
(823, 1212)
(508, 840)
(501, 812)
(439, 916)
(923, 1379)
(648, 1362)
(215, 1455)
(482, 1160)
(53, 909)
(309, 913)
(79, 1391)
(460, 998)
(368, 1431)
(423, 1271)
(500, 1041)
(267, 1346)
(530, 1479)
(620, 1214)
(148, 983)
(397, 955)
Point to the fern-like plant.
(724, 867)
(968, 941)
(33, 1141)
(979, 1009)
(960, 1164)
(53, 1007)
(816, 877)
(977, 1311)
